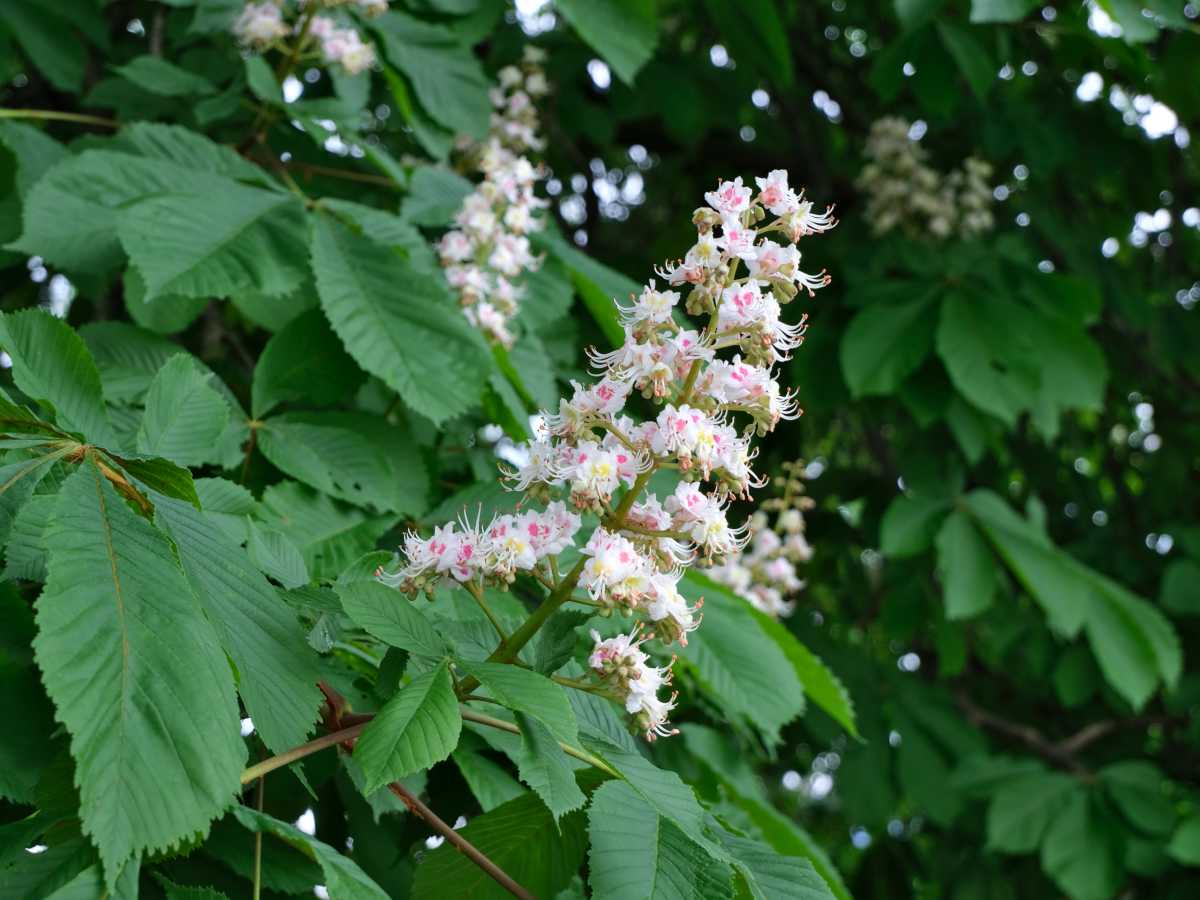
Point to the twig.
(290, 756)
(471, 715)
(258, 802)
(56, 116)
(470, 850)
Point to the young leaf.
(137, 676)
(184, 415)
(636, 854)
(51, 363)
(343, 878)
(277, 671)
(390, 616)
(415, 729)
(414, 339)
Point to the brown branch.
(461, 843)
(1026, 734)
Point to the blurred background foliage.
(1000, 432)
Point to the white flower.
(730, 198)
(260, 24)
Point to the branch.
(55, 116)
(472, 852)
(290, 756)
(1026, 734)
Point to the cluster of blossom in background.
(743, 266)
(904, 192)
(765, 573)
(262, 25)
(488, 252)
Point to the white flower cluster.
(593, 446)
(488, 252)
(903, 191)
(765, 573)
(261, 25)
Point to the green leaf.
(137, 676)
(1135, 645)
(820, 684)
(417, 342)
(276, 556)
(489, 782)
(1022, 808)
(30, 718)
(390, 616)
(277, 672)
(528, 692)
(34, 152)
(1075, 677)
(1080, 852)
(986, 361)
(1001, 10)
(415, 729)
(185, 892)
(624, 32)
(965, 567)
(343, 878)
(156, 75)
(545, 767)
(184, 415)
(191, 150)
(445, 75)
(910, 523)
(303, 361)
(555, 643)
(663, 790)
(770, 876)
(25, 553)
(206, 243)
(1142, 793)
(261, 80)
(522, 838)
(884, 344)
(160, 475)
(973, 59)
(744, 671)
(637, 855)
(1180, 590)
(392, 230)
(597, 284)
(51, 363)
(330, 535)
(1185, 842)
(319, 449)
(435, 195)
(164, 314)
(48, 37)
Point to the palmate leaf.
(884, 344)
(522, 838)
(770, 876)
(184, 415)
(415, 729)
(399, 324)
(277, 669)
(343, 878)
(636, 854)
(51, 363)
(215, 242)
(137, 676)
(1136, 647)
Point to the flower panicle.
(710, 389)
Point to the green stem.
(257, 889)
(56, 116)
(582, 755)
(290, 756)
(477, 592)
